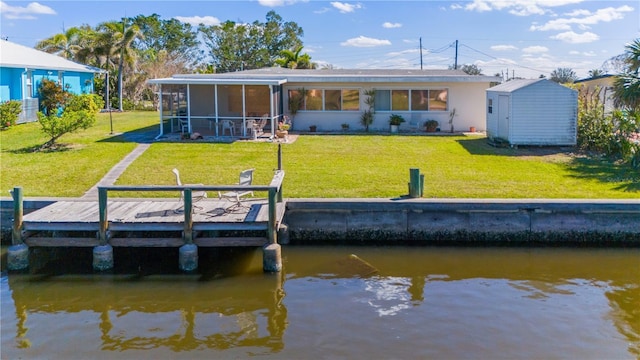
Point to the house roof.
(284, 75)
(13, 55)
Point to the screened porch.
(247, 109)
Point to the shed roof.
(18, 56)
(514, 85)
(283, 75)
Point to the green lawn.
(316, 166)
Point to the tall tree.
(594, 73)
(64, 44)
(179, 40)
(122, 37)
(470, 69)
(626, 86)
(292, 59)
(563, 75)
(234, 46)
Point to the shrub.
(9, 112)
(395, 119)
(79, 113)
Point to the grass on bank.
(89, 156)
(364, 165)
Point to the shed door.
(503, 117)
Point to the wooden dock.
(203, 223)
(150, 215)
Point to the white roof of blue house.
(13, 55)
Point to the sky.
(521, 38)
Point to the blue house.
(23, 68)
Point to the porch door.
(503, 117)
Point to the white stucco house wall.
(532, 112)
(333, 97)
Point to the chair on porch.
(195, 195)
(246, 179)
(227, 126)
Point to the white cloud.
(346, 7)
(518, 7)
(363, 41)
(456, 7)
(389, 25)
(503, 47)
(535, 49)
(197, 20)
(575, 38)
(26, 12)
(584, 18)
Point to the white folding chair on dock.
(195, 195)
(246, 179)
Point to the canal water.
(332, 303)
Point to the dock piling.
(416, 183)
(188, 257)
(18, 252)
(271, 258)
(102, 257)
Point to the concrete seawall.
(465, 220)
(500, 221)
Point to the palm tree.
(292, 59)
(626, 86)
(117, 40)
(594, 73)
(63, 44)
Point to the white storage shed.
(532, 112)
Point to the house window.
(328, 99)
(350, 100)
(412, 100)
(438, 100)
(400, 100)
(419, 100)
(383, 100)
(490, 106)
(332, 100)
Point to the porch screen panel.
(230, 100)
(257, 100)
(202, 100)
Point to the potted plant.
(395, 120)
(345, 127)
(313, 128)
(431, 125)
(367, 116)
(283, 130)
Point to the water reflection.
(160, 312)
(453, 302)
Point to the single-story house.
(532, 112)
(602, 86)
(207, 103)
(23, 68)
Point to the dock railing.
(274, 190)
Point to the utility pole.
(420, 53)
(455, 64)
